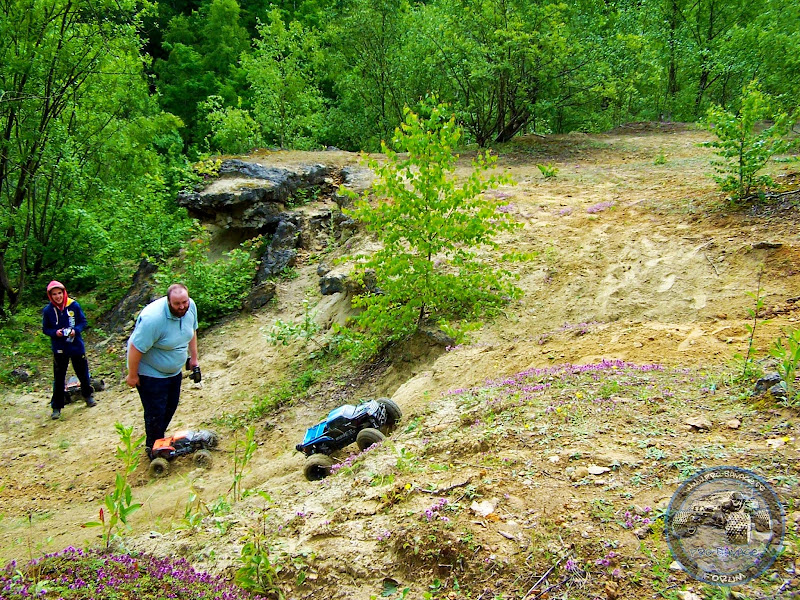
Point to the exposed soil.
(638, 260)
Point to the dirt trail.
(635, 261)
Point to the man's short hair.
(176, 286)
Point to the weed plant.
(257, 573)
(788, 357)
(749, 367)
(243, 451)
(119, 505)
(74, 574)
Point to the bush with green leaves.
(787, 352)
(233, 129)
(742, 146)
(217, 287)
(431, 225)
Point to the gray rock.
(140, 293)
(439, 337)
(766, 382)
(282, 250)
(700, 422)
(259, 296)
(248, 195)
(332, 283)
(19, 375)
(778, 392)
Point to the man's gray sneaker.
(56, 414)
(90, 401)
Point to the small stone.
(637, 344)
(733, 424)
(595, 470)
(675, 566)
(700, 423)
(579, 473)
(687, 595)
(554, 459)
(611, 589)
(642, 532)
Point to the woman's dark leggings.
(60, 365)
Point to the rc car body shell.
(183, 442)
(341, 427)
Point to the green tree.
(286, 102)
(70, 80)
(371, 71)
(743, 147)
(233, 130)
(431, 226)
(507, 66)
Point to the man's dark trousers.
(160, 396)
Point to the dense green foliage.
(430, 227)
(324, 72)
(88, 162)
(217, 287)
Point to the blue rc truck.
(365, 424)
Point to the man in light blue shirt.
(164, 336)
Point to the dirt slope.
(636, 261)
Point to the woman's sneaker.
(56, 414)
(90, 401)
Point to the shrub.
(218, 287)
(430, 228)
(744, 150)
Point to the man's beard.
(178, 312)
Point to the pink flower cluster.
(433, 511)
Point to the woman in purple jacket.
(63, 320)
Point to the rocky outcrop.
(140, 293)
(248, 195)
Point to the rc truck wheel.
(762, 520)
(202, 458)
(393, 412)
(159, 467)
(368, 436)
(318, 466)
(682, 523)
(737, 528)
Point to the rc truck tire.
(682, 523)
(393, 412)
(203, 459)
(159, 467)
(318, 466)
(368, 436)
(737, 527)
(762, 520)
